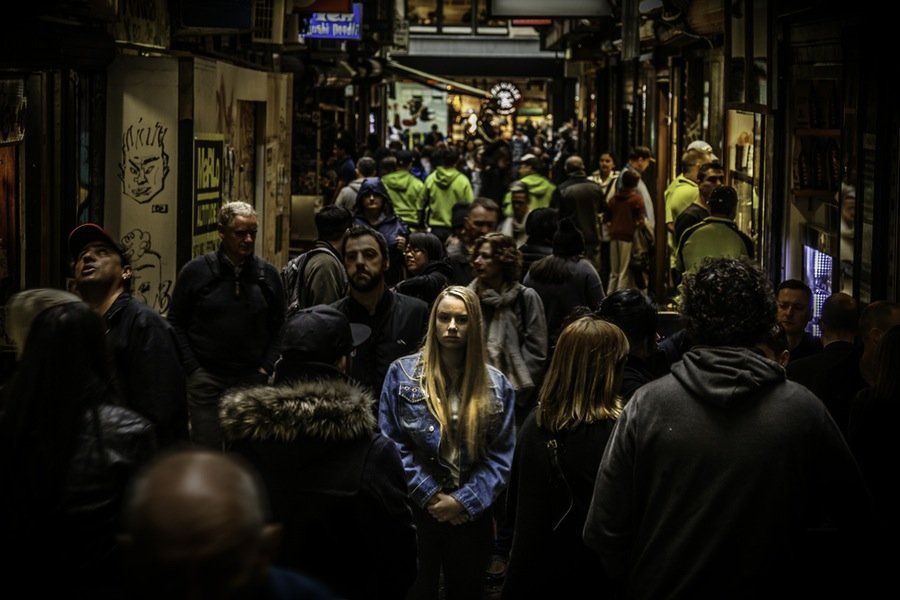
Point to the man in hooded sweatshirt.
(405, 190)
(445, 187)
(540, 190)
(715, 472)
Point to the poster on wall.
(209, 151)
(415, 109)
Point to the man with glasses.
(710, 176)
(227, 310)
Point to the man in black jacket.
(833, 374)
(581, 199)
(335, 483)
(142, 343)
(397, 322)
(227, 311)
(714, 471)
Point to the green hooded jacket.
(407, 194)
(540, 192)
(445, 187)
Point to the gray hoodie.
(711, 477)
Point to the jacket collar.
(115, 311)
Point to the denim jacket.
(403, 416)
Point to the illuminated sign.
(506, 98)
(335, 26)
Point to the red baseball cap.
(89, 233)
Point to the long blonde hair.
(474, 390)
(582, 385)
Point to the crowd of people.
(444, 392)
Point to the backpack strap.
(552, 445)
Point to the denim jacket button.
(430, 428)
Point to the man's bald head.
(199, 517)
(574, 164)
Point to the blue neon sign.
(336, 26)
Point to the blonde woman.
(556, 462)
(451, 416)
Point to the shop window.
(747, 47)
(745, 170)
(453, 17)
(422, 12)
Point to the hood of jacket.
(537, 185)
(445, 176)
(372, 185)
(327, 410)
(726, 376)
(398, 181)
(438, 266)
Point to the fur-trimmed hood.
(327, 410)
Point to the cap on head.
(703, 146)
(321, 334)
(90, 233)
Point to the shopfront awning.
(436, 81)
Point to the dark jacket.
(148, 368)
(227, 325)
(398, 326)
(834, 376)
(582, 287)
(548, 557)
(533, 252)
(711, 477)
(637, 373)
(460, 268)
(429, 283)
(809, 345)
(77, 536)
(582, 200)
(336, 485)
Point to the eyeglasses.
(242, 233)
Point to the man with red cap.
(141, 342)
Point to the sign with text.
(335, 26)
(208, 153)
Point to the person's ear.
(784, 358)
(127, 273)
(221, 231)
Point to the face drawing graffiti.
(145, 163)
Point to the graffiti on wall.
(145, 163)
(148, 286)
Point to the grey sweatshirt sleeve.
(534, 345)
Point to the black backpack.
(292, 277)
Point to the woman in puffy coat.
(67, 452)
(451, 416)
(374, 209)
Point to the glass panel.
(744, 165)
(759, 76)
(482, 16)
(817, 272)
(457, 13)
(422, 12)
(738, 53)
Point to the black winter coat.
(581, 199)
(548, 557)
(336, 486)
(148, 368)
(429, 283)
(75, 534)
(398, 327)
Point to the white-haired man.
(227, 310)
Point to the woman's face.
(486, 267)
(452, 323)
(416, 259)
(373, 203)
